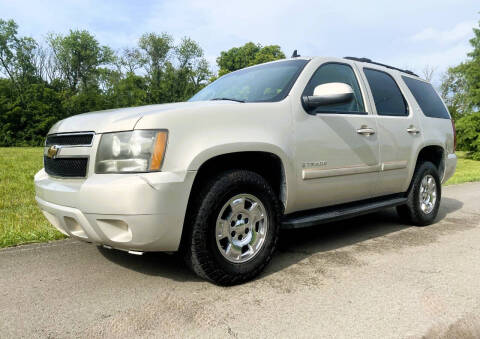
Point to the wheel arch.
(266, 163)
(434, 153)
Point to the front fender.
(235, 147)
(241, 147)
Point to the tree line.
(43, 82)
(460, 90)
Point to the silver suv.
(287, 144)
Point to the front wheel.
(234, 228)
(424, 196)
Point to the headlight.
(135, 151)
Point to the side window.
(427, 98)
(336, 72)
(386, 94)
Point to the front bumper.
(134, 212)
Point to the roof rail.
(379, 64)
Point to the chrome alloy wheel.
(241, 228)
(428, 194)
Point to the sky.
(408, 34)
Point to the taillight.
(454, 136)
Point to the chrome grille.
(67, 154)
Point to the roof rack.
(379, 64)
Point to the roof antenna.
(295, 54)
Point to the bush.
(26, 122)
(468, 134)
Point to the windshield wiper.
(230, 99)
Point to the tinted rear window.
(386, 94)
(427, 98)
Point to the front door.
(337, 149)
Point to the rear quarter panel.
(435, 131)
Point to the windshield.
(263, 83)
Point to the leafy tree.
(193, 69)
(268, 53)
(156, 49)
(201, 74)
(453, 91)
(78, 56)
(132, 60)
(174, 73)
(187, 52)
(247, 55)
(468, 134)
(43, 109)
(237, 58)
(8, 33)
(461, 85)
(73, 73)
(16, 56)
(27, 122)
(129, 91)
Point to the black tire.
(201, 252)
(412, 212)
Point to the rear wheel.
(423, 197)
(234, 228)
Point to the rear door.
(337, 152)
(399, 131)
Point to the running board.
(339, 212)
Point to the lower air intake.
(66, 167)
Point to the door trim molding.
(316, 173)
(393, 165)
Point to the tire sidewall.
(221, 191)
(426, 169)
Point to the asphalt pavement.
(368, 277)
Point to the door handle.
(412, 130)
(364, 130)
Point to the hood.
(121, 119)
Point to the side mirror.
(329, 94)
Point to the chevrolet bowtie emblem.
(53, 151)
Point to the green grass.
(467, 170)
(22, 222)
